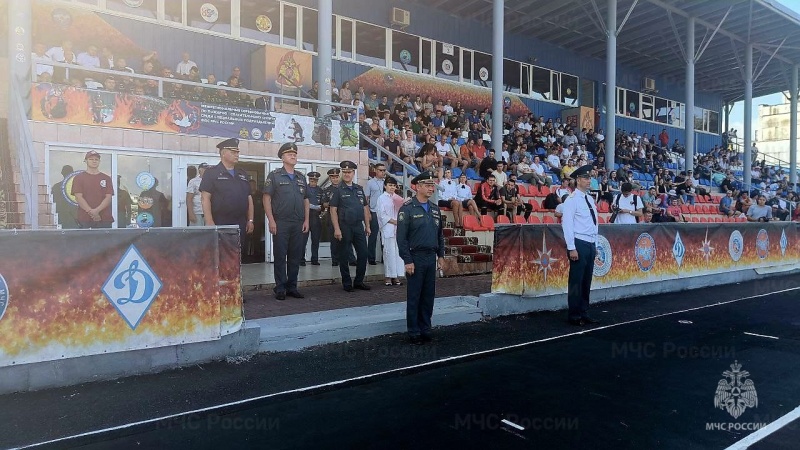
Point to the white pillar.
(498, 15)
(688, 125)
(325, 37)
(611, 85)
(748, 112)
(20, 47)
(793, 128)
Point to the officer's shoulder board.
(408, 201)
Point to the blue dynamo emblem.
(132, 287)
(4, 295)
(645, 252)
(784, 243)
(678, 249)
(735, 245)
(762, 244)
(604, 259)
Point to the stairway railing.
(21, 144)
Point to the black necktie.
(591, 210)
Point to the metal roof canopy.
(653, 35)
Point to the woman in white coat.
(389, 204)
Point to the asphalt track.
(644, 379)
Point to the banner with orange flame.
(65, 294)
(531, 260)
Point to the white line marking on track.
(512, 424)
(756, 436)
(761, 335)
(400, 369)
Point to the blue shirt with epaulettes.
(419, 231)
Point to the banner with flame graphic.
(65, 294)
(531, 260)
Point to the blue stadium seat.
(472, 174)
(461, 141)
(648, 177)
(456, 172)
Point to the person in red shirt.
(93, 191)
(663, 138)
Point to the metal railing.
(382, 154)
(21, 143)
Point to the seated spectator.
(727, 205)
(488, 164)
(237, 73)
(779, 205)
(567, 170)
(89, 58)
(653, 201)
(467, 151)
(185, 65)
(40, 54)
(500, 173)
(759, 212)
(448, 196)
(488, 197)
(559, 213)
(744, 203)
(152, 58)
(674, 213)
(512, 202)
(427, 158)
(464, 194)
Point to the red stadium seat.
(685, 209)
(603, 207)
(695, 220)
(692, 209)
(534, 219)
(601, 219)
(471, 223)
(519, 219)
(549, 219)
(475, 188)
(718, 219)
(487, 222)
(502, 218)
(703, 220)
(534, 204)
(523, 190)
(544, 191)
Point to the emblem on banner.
(762, 244)
(735, 245)
(734, 392)
(256, 133)
(3, 296)
(706, 249)
(784, 243)
(132, 287)
(604, 258)
(678, 249)
(545, 259)
(645, 252)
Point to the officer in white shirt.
(579, 223)
(627, 205)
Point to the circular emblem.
(645, 252)
(256, 133)
(66, 188)
(20, 47)
(264, 23)
(735, 245)
(134, 3)
(632, 107)
(405, 56)
(388, 79)
(762, 244)
(144, 220)
(447, 67)
(604, 258)
(209, 12)
(145, 202)
(19, 30)
(483, 73)
(20, 57)
(569, 91)
(145, 180)
(3, 296)
(61, 17)
(507, 101)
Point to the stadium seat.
(693, 209)
(471, 223)
(472, 174)
(601, 219)
(534, 204)
(534, 219)
(685, 209)
(502, 218)
(548, 219)
(544, 191)
(519, 219)
(694, 220)
(475, 188)
(718, 219)
(456, 172)
(703, 220)
(523, 190)
(603, 207)
(487, 222)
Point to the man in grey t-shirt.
(759, 212)
(373, 191)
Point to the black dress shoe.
(349, 288)
(295, 294)
(353, 264)
(587, 320)
(373, 263)
(427, 337)
(302, 263)
(415, 340)
(280, 296)
(576, 322)
(362, 286)
(314, 263)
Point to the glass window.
(173, 11)
(680, 114)
(289, 30)
(346, 36)
(698, 118)
(88, 2)
(647, 112)
(148, 182)
(482, 69)
(427, 56)
(511, 76)
(569, 89)
(621, 101)
(632, 99)
(209, 15)
(526, 79)
(587, 92)
(64, 165)
(310, 29)
(447, 58)
(555, 90)
(713, 122)
(370, 44)
(260, 19)
(662, 112)
(540, 84)
(147, 8)
(405, 52)
(466, 66)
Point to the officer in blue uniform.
(287, 208)
(225, 192)
(420, 241)
(314, 222)
(579, 223)
(351, 217)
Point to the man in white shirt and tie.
(579, 224)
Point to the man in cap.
(194, 199)
(93, 191)
(420, 241)
(225, 192)
(287, 208)
(314, 221)
(579, 222)
(351, 216)
(327, 195)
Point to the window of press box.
(427, 56)
(555, 88)
(211, 16)
(647, 107)
(289, 30)
(370, 44)
(173, 11)
(310, 29)
(569, 89)
(713, 122)
(587, 92)
(540, 83)
(662, 111)
(511, 76)
(346, 38)
(481, 69)
(697, 115)
(632, 106)
(143, 8)
(260, 20)
(447, 60)
(466, 65)
(405, 52)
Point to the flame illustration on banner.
(545, 259)
(706, 249)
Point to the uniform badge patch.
(268, 182)
(401, 216)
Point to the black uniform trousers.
(421, 292)
(353, 235)
(336, 245)
(580, 280)
(314, 231)
(289, 248)
(372, 244)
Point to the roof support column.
(324, 60)
(793, 127)
(748, 112)
(611, 85)
(20, 47)
(727, 119)
(498, 15)
(688, 123)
